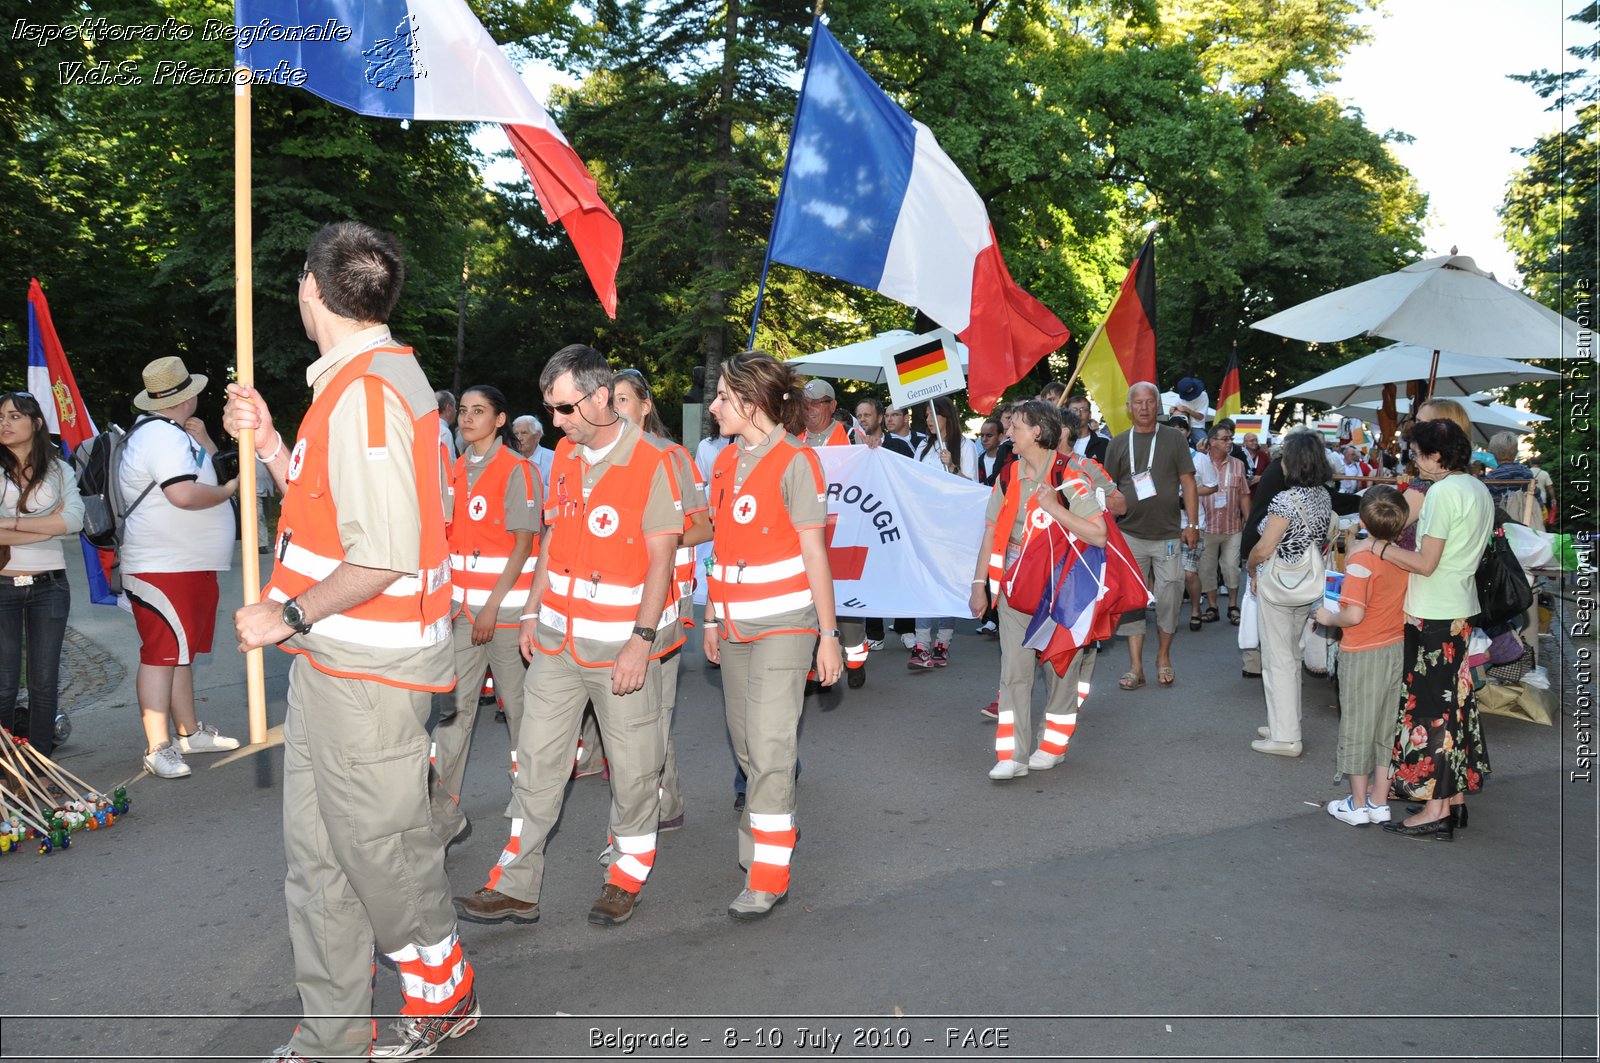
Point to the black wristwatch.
(646, 633)
(295, 617)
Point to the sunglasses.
(566, 409)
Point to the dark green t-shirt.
(1155, 517)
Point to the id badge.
(1219, 500)
(1144, 485)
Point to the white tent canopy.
(860, 361)
(1487, 420)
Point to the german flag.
(1122, 351)
(1229, 402)
(920, 362)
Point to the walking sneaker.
(166, 762)
(988, 627)
(920, 658)
(492, 906)
(1345, 811)
(941, 654)
(416, 1036)
(991, 711)
(1008, 769)
(285, 1054)
(613, 907)
(1380, 813)
(856, 678)
(874, 645)
(755, 904)
(206, 740)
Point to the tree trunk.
(461, 320)
(713, 338)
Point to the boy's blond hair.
(1384, 512)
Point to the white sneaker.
(1042, 761)
(1008, 769)
(909, 640)
(1345, 811)
(1264, 732)
(988, 628)
(874, 645)
(205, 740)
(166, 762)
(1377, 813)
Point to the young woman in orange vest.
(1036, 488)
(770, 605)
(493, 536)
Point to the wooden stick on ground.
(61, 775)
(15, 807)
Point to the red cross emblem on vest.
(744, 510)
(478, 507)
(603, 522)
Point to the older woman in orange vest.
(770, 605)
(494, 523)
(1036, 488)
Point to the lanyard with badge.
(1144, 485)
(1219, 500)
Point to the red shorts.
(176, 613)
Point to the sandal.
(1210, 615)
(1194, 623)
(1165, 676)
(1131, 681)
(1233, 615)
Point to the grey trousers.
(452, 741)
(594, 748)
(555, 691)
(1162, 565)
(1017, 667)
(1223, 548)
(763, 689)
(1283, 633)
(364, 867)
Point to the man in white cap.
(177, 535)
(821, 429)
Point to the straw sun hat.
(167, 383)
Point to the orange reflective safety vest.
(597, 560)
(679, 462)
(1059, 472)
(758, 571)
(480, 545)
(837, 437)
(413, 612)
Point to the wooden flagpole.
(244, 373)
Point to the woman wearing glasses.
(493, 535)
(39, 503)
(770, 605)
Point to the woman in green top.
(1439, 753)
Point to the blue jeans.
(39, 612)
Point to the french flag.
(432, 60)
(868, 196)
(51, 381)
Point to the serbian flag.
(433, 60)
(1229, 401)
(1123, 350)
(869, 197)
(51, 382)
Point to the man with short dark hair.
(447, 422)
(360, 595)
(1088, 444)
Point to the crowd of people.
(428, 541)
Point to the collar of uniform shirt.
(349, 347)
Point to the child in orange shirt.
(1371, 659)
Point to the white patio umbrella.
(1487, 420)
(1458, 375)
(1443, 304)
(861, 361)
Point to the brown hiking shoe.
(492, 906)
(613, 907)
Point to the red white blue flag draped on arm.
(432, 60)
(868, 196)
(51, 381)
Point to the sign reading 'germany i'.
(923, 367)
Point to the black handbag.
(1503, 591)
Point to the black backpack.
(96, 462)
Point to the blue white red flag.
(51, 381)
(431, 60)
(868, 196)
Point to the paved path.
(1166, 893)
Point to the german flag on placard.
(1122, 351)
(920, 362)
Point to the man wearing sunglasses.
(360, 594)
(604, 620)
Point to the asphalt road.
(1166, 893)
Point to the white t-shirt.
(965, 452)
(161, 537)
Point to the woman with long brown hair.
(770, 605)
(39, 502)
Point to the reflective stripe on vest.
(759, 572)
(414, 611)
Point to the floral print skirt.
(1439, 750)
